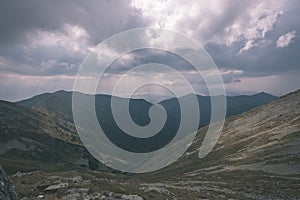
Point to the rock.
(131, 197)
(117, 196)
(41, 196)
(7, 190)
(157, 189)
(19, 174)
(78, 180)
(56, 187)
(77, 193)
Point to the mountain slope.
(35, 140)
(268, 134)
(60, 104)
(235, 105)
(256, 157)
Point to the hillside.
(235, 105)
(35, 140)
(256, 157)
(60, 104)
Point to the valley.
(256, 157)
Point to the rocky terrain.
(7, 190)
(32, 140)
(256, 157)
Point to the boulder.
(7, 190)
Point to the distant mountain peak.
(264, 93)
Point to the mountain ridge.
(235, 105)
(23, 101)
(257, 154)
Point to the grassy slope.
(32, 140)
(257, 157)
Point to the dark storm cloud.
(47, 40)
(23, 24)
(99, 18)
(257, 61)
(19, 21)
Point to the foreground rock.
(7, 190)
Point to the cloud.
(35, 32)
(70, 37)
(44, 39)
(202, 20)
(99, 19)
(274, 84)
(286, 39)
(15, 87)
(218, 21)
(262, 20)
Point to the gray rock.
(19, 174)
(7, 190)
(56, 187)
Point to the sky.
(255, 44)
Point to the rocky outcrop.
(7, 190)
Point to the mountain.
(235, 105)
(60, 104)
(256, 157)
(267, 135)
(242, 103)
(36, 140)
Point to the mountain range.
(59, 104)
(256, 157)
